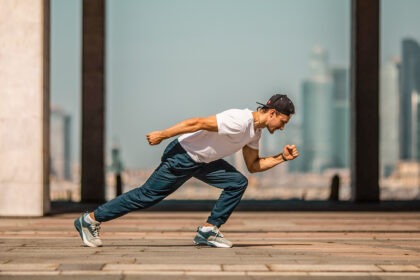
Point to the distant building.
(341, 118)
(409, 112)
(318, 111)
(60, 144)
(389, 117)
(416, 125)
(407, 174)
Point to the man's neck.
(258, 122)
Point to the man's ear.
(272, 112)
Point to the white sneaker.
(212, 238)
(88, 232)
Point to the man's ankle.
(90, 219)
(92, 216)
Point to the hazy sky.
(167, 60)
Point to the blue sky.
(168, 60)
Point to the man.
(199, 153)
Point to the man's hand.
(155, 137)
(290, 152)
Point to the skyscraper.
(410, 89)
(416, 127)
(318, 111)
(389, 117)
(341, 118)
(60, 144)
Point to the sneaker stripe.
(218, 244)
(86, 241)
(84, 237)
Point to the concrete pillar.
(93, 101)
(24, 107)
(364, 99)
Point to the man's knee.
(241, 181)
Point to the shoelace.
(218, 233)
(95, 229)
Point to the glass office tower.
(318, 112)
(410, 88)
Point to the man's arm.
(256, 164)
(186, 126)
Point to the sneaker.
(212, 238)
(88, 232)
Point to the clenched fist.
(290, 152)
(155, 137)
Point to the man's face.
(277, 121)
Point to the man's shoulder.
(237, 112)
(234, 120)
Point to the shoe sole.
(77, 225)
(200, 241)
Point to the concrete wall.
(24, 107)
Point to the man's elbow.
(252, 169)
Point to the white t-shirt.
(235, 130)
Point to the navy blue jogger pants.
(174, 170)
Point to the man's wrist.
(282, 156)
(164, 134)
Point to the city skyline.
(178, 60)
